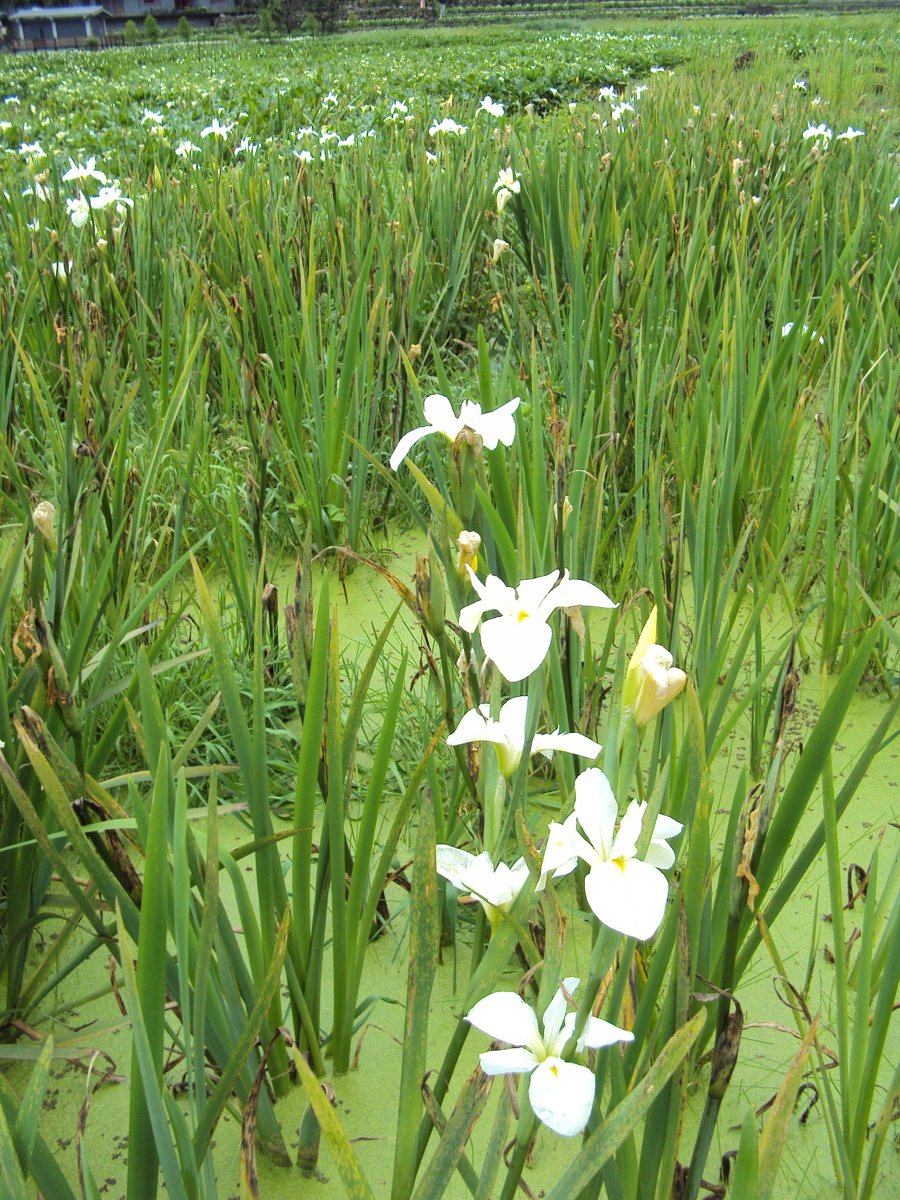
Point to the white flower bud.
(44, 520)
(469, 543)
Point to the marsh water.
(366, 1098)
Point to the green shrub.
(130, 32)
(311, 24)
(184, 29)
(266, 24)
(151, 28)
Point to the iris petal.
(439, 413)
(505, 1017)
(515, 1061)
(562, 1095)
(596, 808)
(570, 593)
(571, 743)
(472, 728)
(499, 426)
(517, 648)
(472, 614)
(628, 896)
(406, 444)
(453, 865)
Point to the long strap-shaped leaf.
(423, 954)
(42, 1164)
(14, 1185)
(244, 1044)
(455, 1136)
(148, 1078)
(26, 1127)
(355, 1183)
(48, 845)
(775, 1131)
(143, 1163)
(816, 749)
(605, 1141)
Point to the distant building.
(135, 10)
(57, 28)
(65, 25)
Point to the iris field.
(449, 555)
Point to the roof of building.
(54, 14)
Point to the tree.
(287, 13)
(184, 29)
(151, 28)
(266, 24)
(327, 13)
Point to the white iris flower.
(813, 334)
(82, 171)
(508, 735)
(495, 888)
(499, 246)
(109, 196)
(507, 181)
(493, 427)
(561, 1093)
(216, 129)
(518, 639)
(79, 211)
(448, 125)
(625, 892)
(492, 107)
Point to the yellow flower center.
(522, 615)
(554, 1070)
(620, 862)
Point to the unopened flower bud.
(659, 684)
(466, 450)
(651, 682)
(44, 520)
(469, 544)
(430, 595)
(566, 513)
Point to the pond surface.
(366, 1098)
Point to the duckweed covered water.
(366, 1098)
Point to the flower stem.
(520, 1154)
